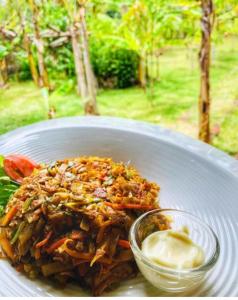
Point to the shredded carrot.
(44, 241)
(124, 244)
(56, 245)
(76, 235)
(37, 253)
(6, 247)
(128, 206)
(9, 216)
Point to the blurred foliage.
(114, 66)
(119, 33)
(3, 51)
(24, 72)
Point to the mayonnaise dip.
(173, 249)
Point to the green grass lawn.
(174, 104)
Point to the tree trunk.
(204, 59)
(142, 72)
(147, 67)
(34, 71)
(79, 69)
(31, 61)
(2, 81)
(157, 67)
(43, 78)
(27, 47)
(150, 76)
(3, 72)
(91, 103)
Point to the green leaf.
(4, 180)
(1, 161)
(7, 187)
(1, 210)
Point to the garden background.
(173, 63)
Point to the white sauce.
(173, 249)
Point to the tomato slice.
(18, 166)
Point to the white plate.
(193, 176)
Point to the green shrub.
(114, 67)
(60, 62)
(24, 71)
(22, 64)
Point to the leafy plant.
(3, 51)
(114, 66)
(7, 187)
(23, 65)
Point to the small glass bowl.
(168, 279)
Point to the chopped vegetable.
(44, 241)
(78, 235)
(27, 203)
(18, 166)
(76, 254)
(16, 235)
(99, 254)
(101, 231)
(84, 225)
(9, 216)
(56, 245)
(7, 248)
(37, 253)
(124, 244)
(7, 187)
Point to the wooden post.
(204, 60)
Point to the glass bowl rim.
(138, 253)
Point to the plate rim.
(197, 147)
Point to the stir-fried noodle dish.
(70, 221)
